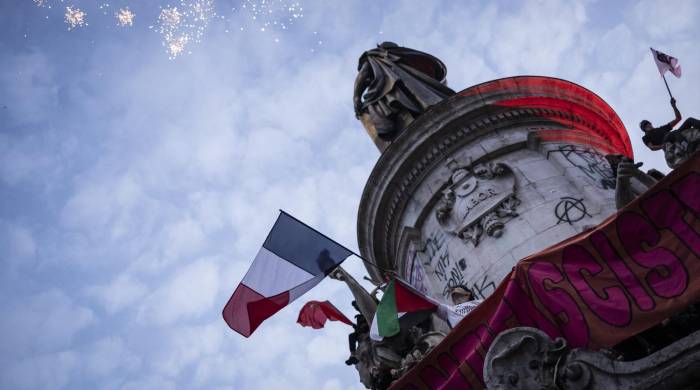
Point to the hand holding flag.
(400, 299)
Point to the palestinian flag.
(398, 300)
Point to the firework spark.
(125, 18)
(169, 24)
(75, 18)
(184, 25)
(177, 45)
(273, 15)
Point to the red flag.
(666, 63)
(315, 314)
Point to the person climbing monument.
(655, 137)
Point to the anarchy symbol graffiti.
(570, 210)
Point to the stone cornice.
(445, 128)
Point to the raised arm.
(676, 112)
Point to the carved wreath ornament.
(478, 199)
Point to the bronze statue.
(394, 86)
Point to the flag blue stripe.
(304, 247)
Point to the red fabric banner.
(315, 314)
(596, 289)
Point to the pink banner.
(595, 289)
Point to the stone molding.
(526, 358)
(455, 123)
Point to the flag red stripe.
(407, 301)
(247, 309)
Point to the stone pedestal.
(489, 176)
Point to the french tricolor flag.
(293, 259)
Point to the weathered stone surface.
(421, 214)
(526, 358)
(681, 146)
(407, 189)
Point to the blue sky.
(135, 190)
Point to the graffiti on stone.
(456, 278)
(483, 288)
(415, 273)
(570, 210)
(442, 265)
(433, 244)
(462, 264)
(590, 162)
(448, 271)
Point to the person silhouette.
(655, 137)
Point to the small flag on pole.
(293, 259)
(666, 63)
(315, 314)
(398, 300)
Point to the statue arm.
(676, 112)
(365, 302)
(361, 83)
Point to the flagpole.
(667, 88)
(330, 239)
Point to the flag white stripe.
(452, 314)
(270, 275)
(300, 290)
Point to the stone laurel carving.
(680, 145)
(478, 200)
(379, 363)
(375, 363)
(422, 344)
(523, 358)
(526, 358)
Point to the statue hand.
(673, 102)
(627, 168)
(337, 275)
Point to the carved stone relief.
(478, 200)
(681, 146)
(526, 358)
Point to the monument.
(470, 183)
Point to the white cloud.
(120, 293)
(153, 186)
(524, 44)
(188, 293)
(187, 345)
(110, 357)
(45, 322)
(50, 371)
(661, 19)
(29, 88)
(18, 242)
(152, 382)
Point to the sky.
(136, 188)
